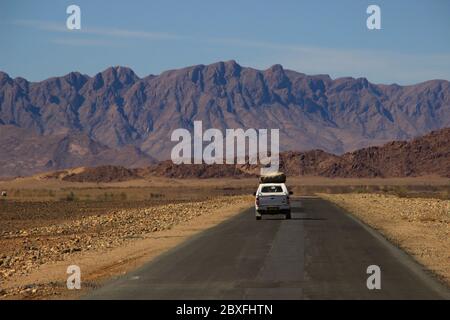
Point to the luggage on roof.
(276, 177)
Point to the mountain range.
(117, 118)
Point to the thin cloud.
(110, 32)
(41, 25)
(84, 42)
(133, 34)
(378, 66)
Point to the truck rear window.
(271, 189)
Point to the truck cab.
(272, 198)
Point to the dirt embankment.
(419, 226)
(33, 264)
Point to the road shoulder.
(421, 243)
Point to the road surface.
(322, 253)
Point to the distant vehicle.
(272, 197)
(4, 194)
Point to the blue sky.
(152, 36)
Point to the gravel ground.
(419, 226)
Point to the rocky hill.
(427, 155)
(24, 153)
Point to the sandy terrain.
(419, 226)
(38, 189)
(103, 245)
(36, 182)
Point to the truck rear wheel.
(258, 217)
(288, 215)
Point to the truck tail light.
(287, 200)
(257, 201)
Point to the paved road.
(322, 253)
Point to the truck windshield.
(271, 189)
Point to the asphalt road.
(322, 253)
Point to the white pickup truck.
(272, 198)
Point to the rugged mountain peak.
(221, 72)
(23, 83)
(232, 68)
(276, 68)
(232, 64)
(277, 77)
(4, 78)
(116, 77)
(76, 79)
(124, 74)
(363, 82)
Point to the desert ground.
(111, 228)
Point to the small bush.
(401, 191)
(156, 195)
(360, 189)
(71, 197)
(123, 196)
